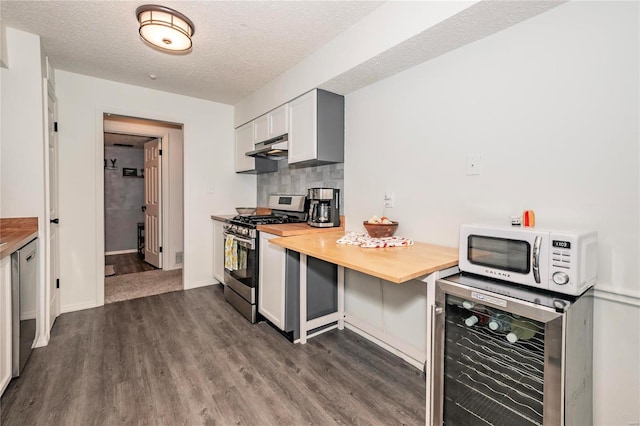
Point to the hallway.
(131, 278)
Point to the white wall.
(22, 143)
(551, 105)
(211, 186)
(22, 129)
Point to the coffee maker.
(324, 207)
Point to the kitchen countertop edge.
(16, 233)
(295, 229)
(222, 217)
(416, 261)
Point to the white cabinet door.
(279, 121)
(244, 143)
(218, 251)
(271, 281)
(303, 128)
(261, 129)
(5, 323)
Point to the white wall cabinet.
(316, 128)
(5, 323)
(279, 121)
(218, 250)
(244, 143)
(245, 139)
(273, 124)
(261, 128)
(271, 281)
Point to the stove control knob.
(560, 278)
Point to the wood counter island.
(394, 264)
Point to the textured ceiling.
(238, 45)
(478, 21)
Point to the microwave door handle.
(536, 258)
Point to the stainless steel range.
(241, 250)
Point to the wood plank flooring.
(188, 358)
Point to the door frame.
(101, 111)
(43, 310)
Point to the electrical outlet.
(389, 199)
(474, 165)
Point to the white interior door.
(54, 257)
(153, 203)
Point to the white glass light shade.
(165, 28)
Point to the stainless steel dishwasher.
(24, 279)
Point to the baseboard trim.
(387, 342)
(41, 341)
(203, 283)
(77, 307)
(109, 253)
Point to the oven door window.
(499, 253)
(240, 260)
(493, 366)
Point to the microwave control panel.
(573, 261)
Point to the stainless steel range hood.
(273, 149)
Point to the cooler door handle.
(435, 311)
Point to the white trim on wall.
(110, 253)
(101, 110)
(616, 295)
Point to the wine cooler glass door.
(497, 359)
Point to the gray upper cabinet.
(316, 128)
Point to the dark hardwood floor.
(128, 263)
(188, 358)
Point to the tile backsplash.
(296, 181)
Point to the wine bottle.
(500, 322)
(468, 304)
(472, 320)
(521, 330)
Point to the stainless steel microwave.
(561, 261)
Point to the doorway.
(143, 207)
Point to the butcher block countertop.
(16, 232)
(395, 264)
(222, 217)
(292, 229)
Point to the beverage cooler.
(508, 355)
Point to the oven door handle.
(246, 242)
(536, 258)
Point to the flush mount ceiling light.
(165, 28)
